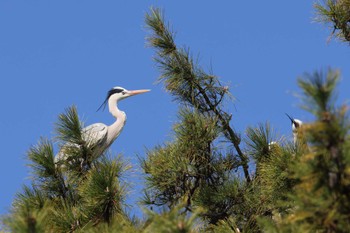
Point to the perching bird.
(100, 136)
(295, 126)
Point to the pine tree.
(203, 165)
(198, 166)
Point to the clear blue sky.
(57, 53)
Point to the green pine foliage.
(190, 169)
(173, 221)
(337, 15)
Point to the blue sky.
(54, 54)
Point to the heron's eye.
(123, 92)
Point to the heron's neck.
(295, 137)
(115, 129)
(114, 110)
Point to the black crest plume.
(109, 93)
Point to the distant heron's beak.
(290, 118)
(136, 92)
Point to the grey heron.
(295, 126)
(98, 135)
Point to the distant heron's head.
(119, 93)
(295, 123)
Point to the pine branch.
(172, 221)
(258, 141)
(30, 212)
(46, 174)
(187, 82)
(101, 192)
(69, 127)
(336, 13)
(177, 171)
(319, 91)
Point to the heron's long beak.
(290, 118)
(136, 92)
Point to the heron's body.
(100, 136)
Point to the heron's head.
(119, 93)
(295, 123)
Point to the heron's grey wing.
(95, 133)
